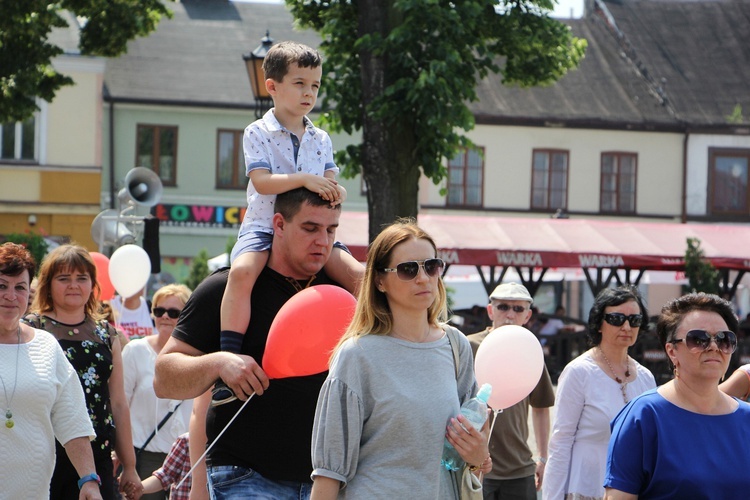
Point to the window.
(465, 178)
(618, 183)
(727, 181)
(18, 140)
(230, 161)
(549, 179)
(156, 149)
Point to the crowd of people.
(125, 400)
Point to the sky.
(565, 9)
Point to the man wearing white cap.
(515, 474)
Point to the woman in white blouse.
(146, 410)
(591, 391)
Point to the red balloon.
(102, 276)
(305, 331)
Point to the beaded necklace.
(618, 379)
(9, 423)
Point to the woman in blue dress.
(685, 439)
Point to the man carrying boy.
(283, 151)
(265, 452)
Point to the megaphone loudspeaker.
(106, 230)
(142, 187)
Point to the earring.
(676, 372)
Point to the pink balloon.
(102, 276)
(305, 331)
(509, 358)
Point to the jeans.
(232, 482)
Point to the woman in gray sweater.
(393, 390)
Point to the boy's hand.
(342, 196)
(326, 188)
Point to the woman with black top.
(66, 306)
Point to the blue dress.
(659, 450)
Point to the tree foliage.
(404, 71)
(26, 52)
(702, 275)
(34, 243)
(198, 270)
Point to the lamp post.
(254, 63)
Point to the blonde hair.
(373, 315)
(174, 290)
(70, 257)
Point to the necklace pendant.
(8, 414)
(9, 419)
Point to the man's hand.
(539, 474)
(244, 376)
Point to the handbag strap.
(453, 341)
(158, 428)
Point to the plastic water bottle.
(475, 410)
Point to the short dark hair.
(15, 259)
(289, 203)
(612, 297)
(675, 311)
(284, 54)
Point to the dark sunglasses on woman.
(618, 319)
(172, 313)
(700, 340)
(407, 271)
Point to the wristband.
(90, 477)
(543, 460)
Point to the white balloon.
(129, 270)
(510, 359)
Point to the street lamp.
(254, 63)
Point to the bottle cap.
(484, 393)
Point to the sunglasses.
(618, 319)
(506, 308)
(407, 271)
(172, 313)
(700, 340)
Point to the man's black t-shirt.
(272, 434)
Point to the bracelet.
(90, 477)
(543, 460)
(474, 468)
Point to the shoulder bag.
(470, 487)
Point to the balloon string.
(495, 413)
(214, 442)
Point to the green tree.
(702, 275)
(198, 270)
(26, 52)
(404, 71)
(34, 243)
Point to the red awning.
(545, 242)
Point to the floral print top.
(87, 346)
